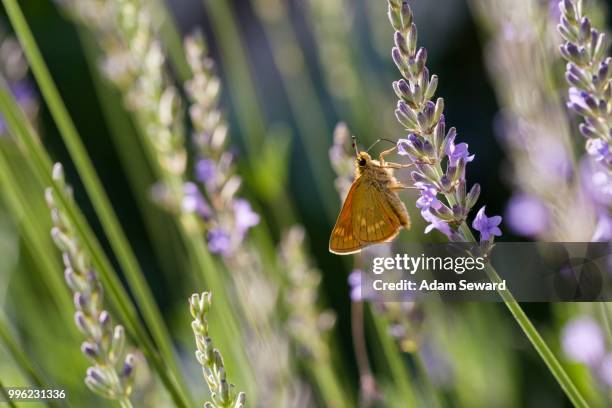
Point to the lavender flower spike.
(589, 75)
(112, 373)
(223, 394)
(428, 144)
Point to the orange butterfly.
(372, 212)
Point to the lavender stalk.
(427, 146)
(589, 75)
(112, 372)
(521, 53)
(223, 393)
(227, 219)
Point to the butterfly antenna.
(378, 141)
(355, 145)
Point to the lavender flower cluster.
(590, 78)
(227, 220)
(223, 393)
(583, 342)
(307, 325)
(532, 124)
(228, 217)
(428, 145)
(14, 70)
(112, 373)
(589, 75)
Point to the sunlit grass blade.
(5, 395)
(22, 210)
(24, 362)
(41, 165)
(100, 201)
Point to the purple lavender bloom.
(206, 172)
(354, 281)
(194, 201)
(428, 197)
(527, 215)
(23, 92)
(219, 241)
(436, 223)
(605, 370)
(603, 229)
(244, 215)
(24, 95)
(576, 99)
(597, 181)
(487, 226)
(599, 149)
(412, 147)
(582, 341)
(457, 152)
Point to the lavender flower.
(605, 370)
(354, 281)
(429, 196)
(583, 341)
(589, 76)
(527, 215)
(487, 226)
(341, 161)
(14, 70)
(436, 223)
(112, 373)
(428, 145)
(223, 393)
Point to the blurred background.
(290, 70)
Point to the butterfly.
(372, 211)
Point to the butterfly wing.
(342, 240)
(366, 218)
(374, 219)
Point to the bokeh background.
(290, 71)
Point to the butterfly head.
(362, 160)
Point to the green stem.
(94, 188)
(125, 403)
(394, 358)
(538, 342)
(528, 328)
(328, 386)
(19, 355)
(605, 317)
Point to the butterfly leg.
(400, 186)
(385, 153)
(389, 165)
